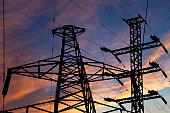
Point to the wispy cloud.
(67, 12)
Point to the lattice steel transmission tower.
(136, 73)
(136, 63)
(72, 79)
(73, 90)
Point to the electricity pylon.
(69, 84)
(73, 90)
(136, 73)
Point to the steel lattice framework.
(136, 63)
(73, 90)
(71, 68)
(136, 73)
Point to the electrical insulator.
(109, 99)
(166, 51)
(120, 82)
(154, 64)
(163, 99)
(154, 38)
(105, 49)
(163, 72)
(54, 31)
(83, 29)
(7, 81)
(153, 92)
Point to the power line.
(91, 41)
(130, 6)
(14, 50)
(145, 19)
(112, 9)
(99, 23)
(103, 25)
(159, 80)
(4, 51)
(54, 19)
(162, 108)
(32, 34)
(4, 41)
(45, 26)
(137, 13)
(52, 49)
(51, 44)
(48, 43)
(128, 13)
(122, 8)
(102, 51)
(28, 16)
(21, 4)
(147, 109)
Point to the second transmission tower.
(136, 72)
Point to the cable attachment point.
(154, 64)
(105, 49)
(156, 39)
(53, 32)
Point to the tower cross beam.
(126, 50)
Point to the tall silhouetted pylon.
(72, 85)
(137, 45)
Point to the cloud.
(67, 13)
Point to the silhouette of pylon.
(72, 85)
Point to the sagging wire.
(106, 82)
(147, 109)
(112, 9)
(161, 66)
(4, 50)
(137, 13)
(52, 49)
(145, 20)
(162, 108)
(122, 8)
(159, 80)
(28, 16)
(103, 25)
(34, 11)
(131, 6)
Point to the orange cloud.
(21, 87)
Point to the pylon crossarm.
(150, 70)
(25, 71)
(60, 31)
(132, 99)
(126, 50)
(110, 76)
(29, 106)
(40, 69)
(134, 20)
(92, 62)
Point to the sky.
(28, 25)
